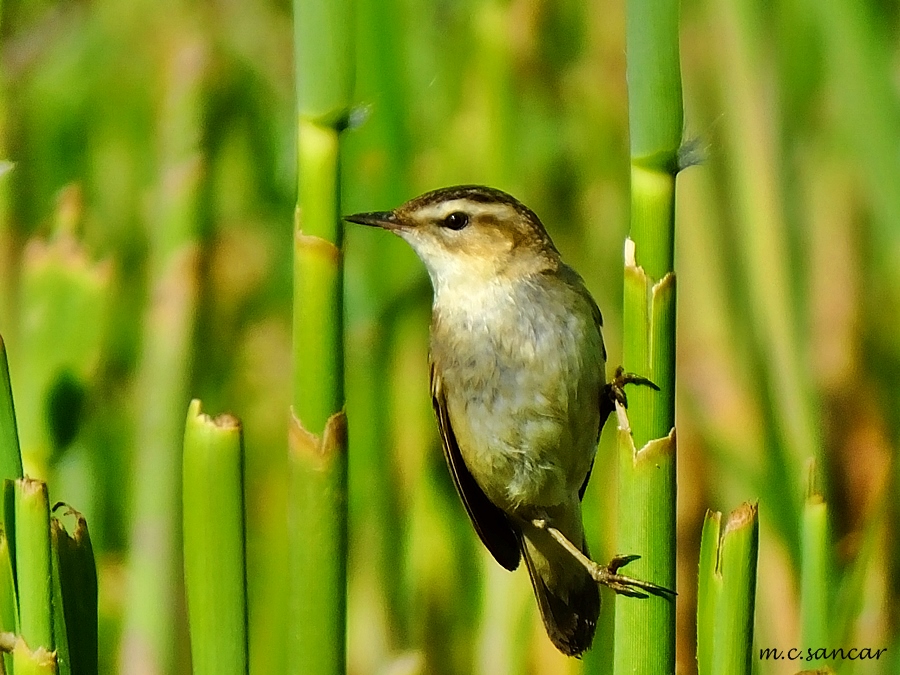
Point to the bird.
(519, 391)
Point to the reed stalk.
(214, 544)
(164, 372)
(380, 155)
(726, 593)
(8, 610)
(645, 630)
(75, 617)
(767, 291)
(318, 440)
(6, 231)
(10, 456)
(10, 470)
(817, 580)
(33, 565)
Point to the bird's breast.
(522, 367)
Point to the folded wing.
(496, 531)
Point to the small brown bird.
(519, 391)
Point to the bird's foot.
(615, 391)
(609, 576)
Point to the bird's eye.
(456, 220)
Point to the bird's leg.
(614, 392)
(608, 575)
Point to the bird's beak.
(386, 220)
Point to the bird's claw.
(609, 576)
(620, 561)
(616, 389)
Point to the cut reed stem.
(645, 630)
(318, 440)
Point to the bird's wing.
(497, 533)
(584, 484)
(604, 412)
(574, 283)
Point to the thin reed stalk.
(10, 456)
(817, 582)
(767, 292)
(318, 440)
(214, 549)
(75, 616)
(33, 567)
(645, 630)
(726, 593)
(163, 376)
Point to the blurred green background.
(145, 259)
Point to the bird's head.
(469, 233)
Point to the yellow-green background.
(144, 133)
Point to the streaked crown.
(469, 231)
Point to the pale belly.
(524, 403)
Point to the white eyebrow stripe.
(475, 209)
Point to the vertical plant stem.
(726, 593)
(319, 461)
(74, 597)
(374, 504)
(33, 563)
(214, 550)
(164, 373)
(770, 309)
(816, 579)
(10, 456)
(708, 590)
(8, 612)
(7, 264)
(318, 307)
(60, 629)
(645, 630)
(861, 61)
(318, 440)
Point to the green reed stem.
(164, 371)
(214, 549)
(768, 294)
(645, 630)
(726, 593)
(33, 568)
(817, 582)
(10, 456)
(75, 617)
(318, 441)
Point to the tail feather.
(567, 596)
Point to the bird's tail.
(567, 596)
